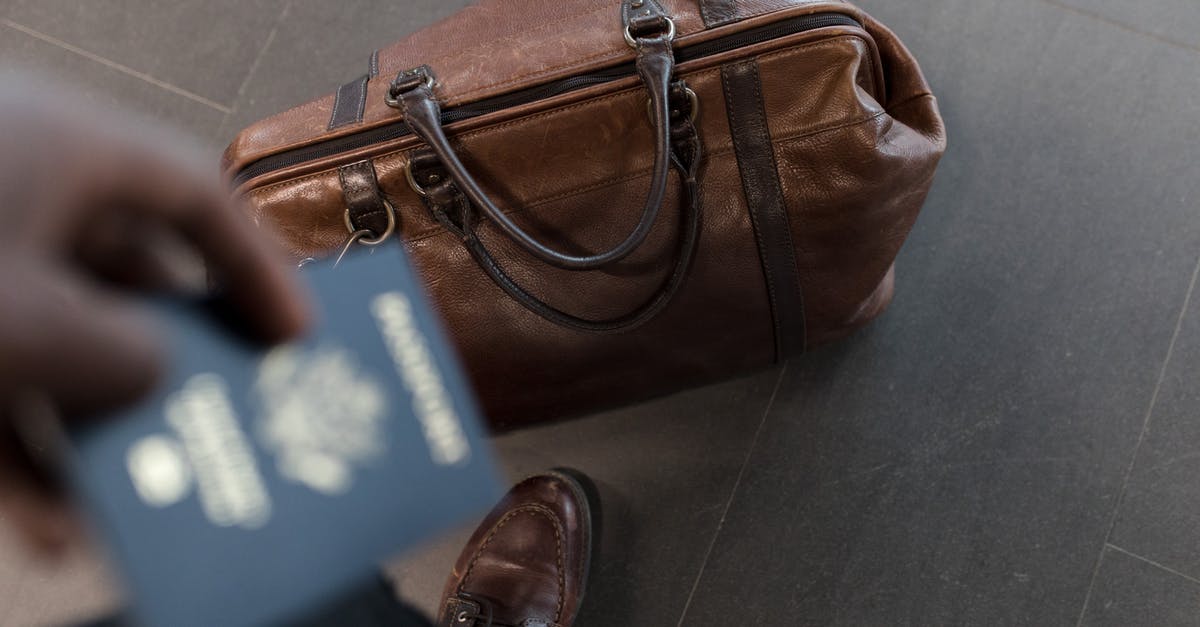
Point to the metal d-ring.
(412, 181)
(392, 97)
(693, 102)
(378, 239)
(629, 39)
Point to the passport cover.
(258, 484)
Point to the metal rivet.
(637, 3)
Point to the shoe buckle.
(471, 611)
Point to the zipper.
(399, 129)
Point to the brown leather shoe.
(527, 563)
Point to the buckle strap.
(467, 610)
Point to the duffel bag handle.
(455, 213)
(412, 94)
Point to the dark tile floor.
(1017, 442)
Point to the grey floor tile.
(204, 47)
(959, 463)
(1160, 512)
(93, 83)
(664, 470)
(1131, 592)
(320, 45)
(1175, 21)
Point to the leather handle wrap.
(655, 65)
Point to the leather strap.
(764, 198)
(349, 103)
(454, 211)
(640, 17)
(412, 93)
(719, 12)
(366, 207)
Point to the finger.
(87, 349)
(249, 271)
(143, 256)
(137, 171)
(35, 508)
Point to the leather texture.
(494, 47)
(349, 102)
(456, 213)
(655, 63)
(718, 12)
(765, 202)
(366, 208)
(854, 133)
(527, 563)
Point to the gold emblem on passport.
(320, 414)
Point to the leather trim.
(349, 103)
(366, 204)
(373, 65)
(647, 11)
(764, 198)
(412, 94)
(276, 134)
(718, 12)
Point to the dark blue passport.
(258, 484)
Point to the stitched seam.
(785, 139)
(558, 549)
(436, 231)
(480, 132)
(615, 54)
(536, 116)
(337, 104)
(362, 100)
(824, 43)
(802, 136)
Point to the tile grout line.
(124, 69)
(1162, 374)
(1152, 563)
(262, 52)
(1122, 25)
(733, 493)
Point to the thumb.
(86, 348)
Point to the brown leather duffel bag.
(611, 201)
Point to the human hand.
(91, 208)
